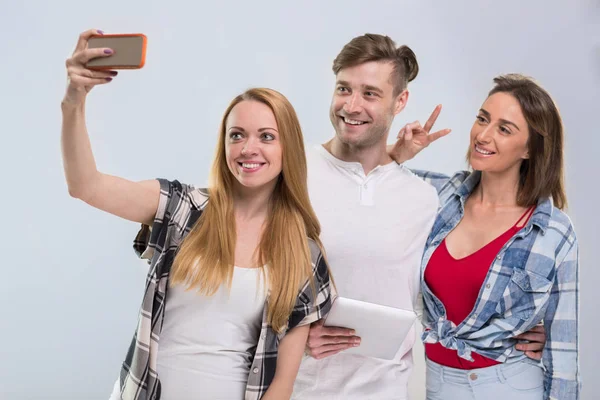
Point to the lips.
(483, 151)
(352, 122)
(251, 166)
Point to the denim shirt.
(534, 278)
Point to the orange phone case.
(129, 51)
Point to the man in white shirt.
(375, 217)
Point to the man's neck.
(369, 157)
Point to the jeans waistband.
(496, 373)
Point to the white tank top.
(207, 343)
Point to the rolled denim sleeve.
(561, 354)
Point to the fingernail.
(356, 344)
(113, 73)
(100, 32)
(108, 51)
(108, 79)
(351, 332)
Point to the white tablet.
(381, 329)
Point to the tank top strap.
(524, 218)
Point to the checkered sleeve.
(561, 353)
(435, 179)
(150, 239)
(313, 305)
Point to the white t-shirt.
(207, 343)
(374, 229)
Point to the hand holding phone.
(95, 59)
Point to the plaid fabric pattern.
(179, 208)
(534, 278)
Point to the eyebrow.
(260, 130)
(370, 88)
(502, 120)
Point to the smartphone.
(129, 51)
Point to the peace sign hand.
(413, 138)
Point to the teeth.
(250, 166)
(480, 150)
(353, 122)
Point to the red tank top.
(456, 283)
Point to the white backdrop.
(71, 285)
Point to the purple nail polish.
(108, 51)
(100, 32)
(113, 73)
(108, 79)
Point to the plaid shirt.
(178, 209)
(534, 278)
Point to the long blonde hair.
(206, 257)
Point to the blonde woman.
(236, 271)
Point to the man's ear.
(400, 101)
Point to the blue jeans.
(518, 381)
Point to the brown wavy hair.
(542, 174)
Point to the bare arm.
(135, 201)
(288, 362)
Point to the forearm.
(279, 390)
(289, 357)
(78, 159)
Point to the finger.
(432, 137)
(532, 337)
(84, 81)
(432, 118)
(319, 322)
(538, 328)
(408, 135)
(86, 55)
(534, 355)
(88, 73)
(319, 341)
(336, 331)
(331, 351)
(416, 125)
(84, 37)
(340, 340)
(401, 133)
(533, 346)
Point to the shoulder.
(416, 179)
(316, 252)
(561, 224)
(178, 193)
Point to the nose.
(353, 104)
(485, 135)
(250, 147)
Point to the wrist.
(69, 104)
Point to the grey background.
(71, 286)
